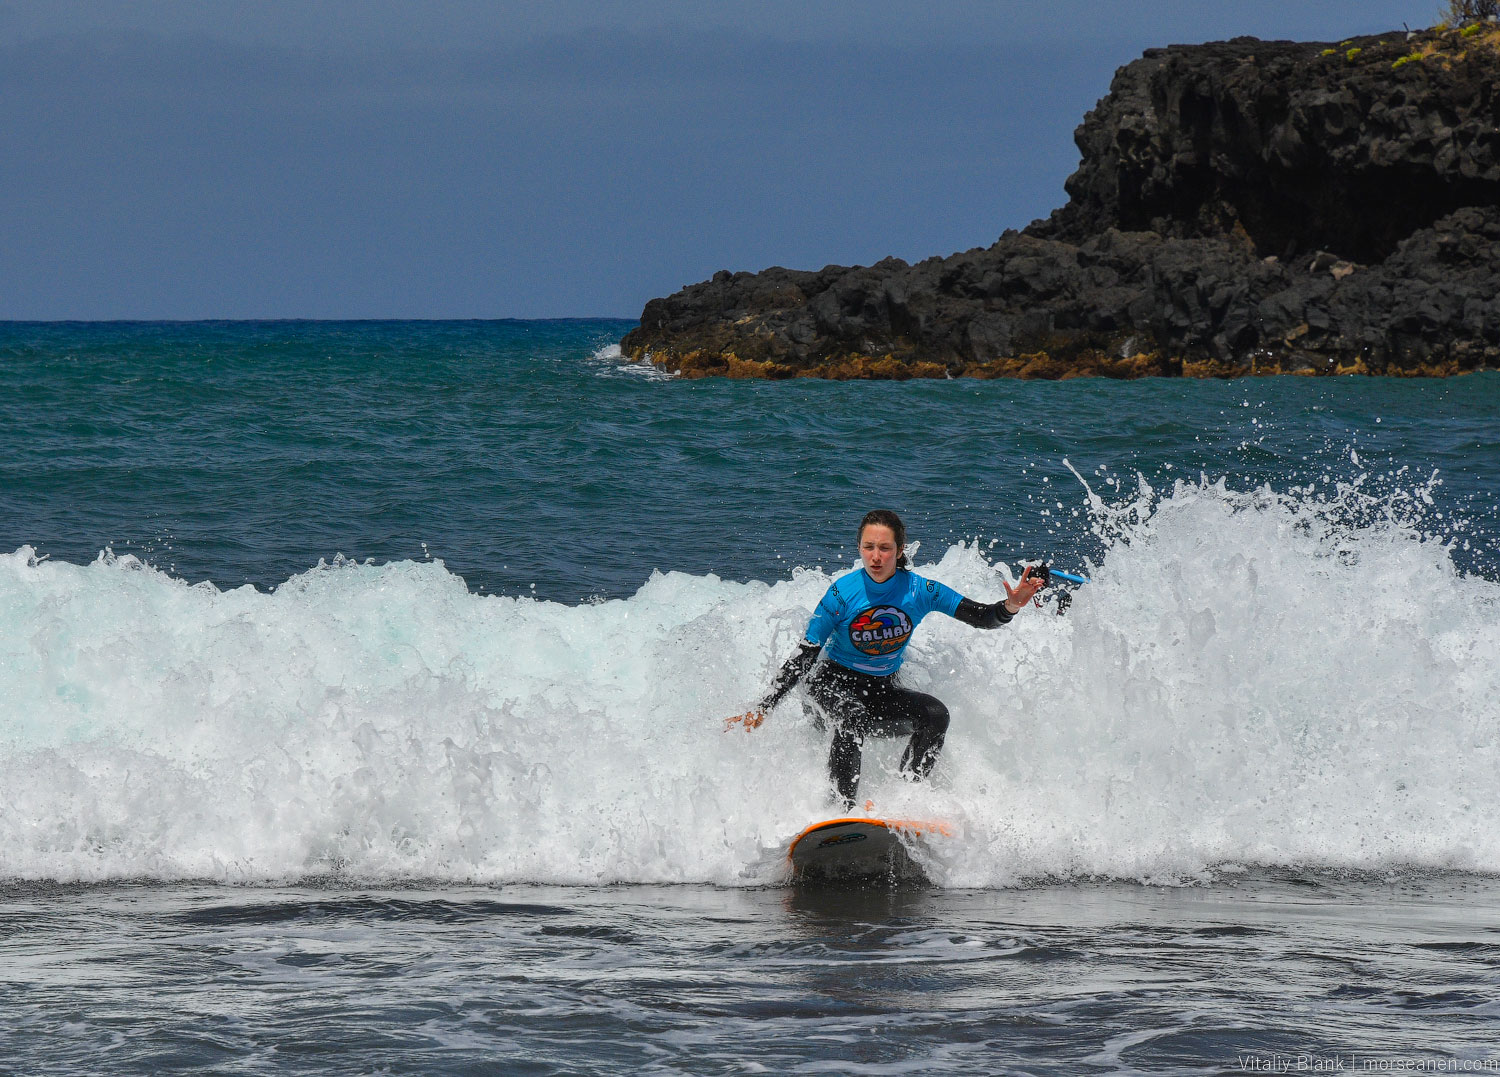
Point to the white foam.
(614, 364)
(1249, 680)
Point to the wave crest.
(1296, 678)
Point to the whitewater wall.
(1294, 678)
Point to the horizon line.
(202, 321)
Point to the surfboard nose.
(861, 849)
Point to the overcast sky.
(229, 159)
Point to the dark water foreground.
(1262, 974)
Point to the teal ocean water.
(515, 452)
(361, 689)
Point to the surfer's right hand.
(1024, 590)
(751, 719)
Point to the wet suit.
(865, 627)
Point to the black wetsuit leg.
(861, 705)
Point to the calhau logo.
(880, 630)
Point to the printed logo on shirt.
(880, 630)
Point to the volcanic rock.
(1240, 207)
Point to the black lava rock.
(1241, 207)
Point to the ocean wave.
(612, 363)
(1295, 678)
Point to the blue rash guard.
(867, 625)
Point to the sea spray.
(1253, 678)
(1248, 680)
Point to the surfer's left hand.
(1023, 592)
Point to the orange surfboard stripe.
(917, 826)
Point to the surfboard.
(862, 848)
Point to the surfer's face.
(878, 550)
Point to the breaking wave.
(1297, 678)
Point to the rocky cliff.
(1241, 207)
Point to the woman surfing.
(865, 621)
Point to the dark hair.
(887, 518)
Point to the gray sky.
(229, 159)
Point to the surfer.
(865, 620)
